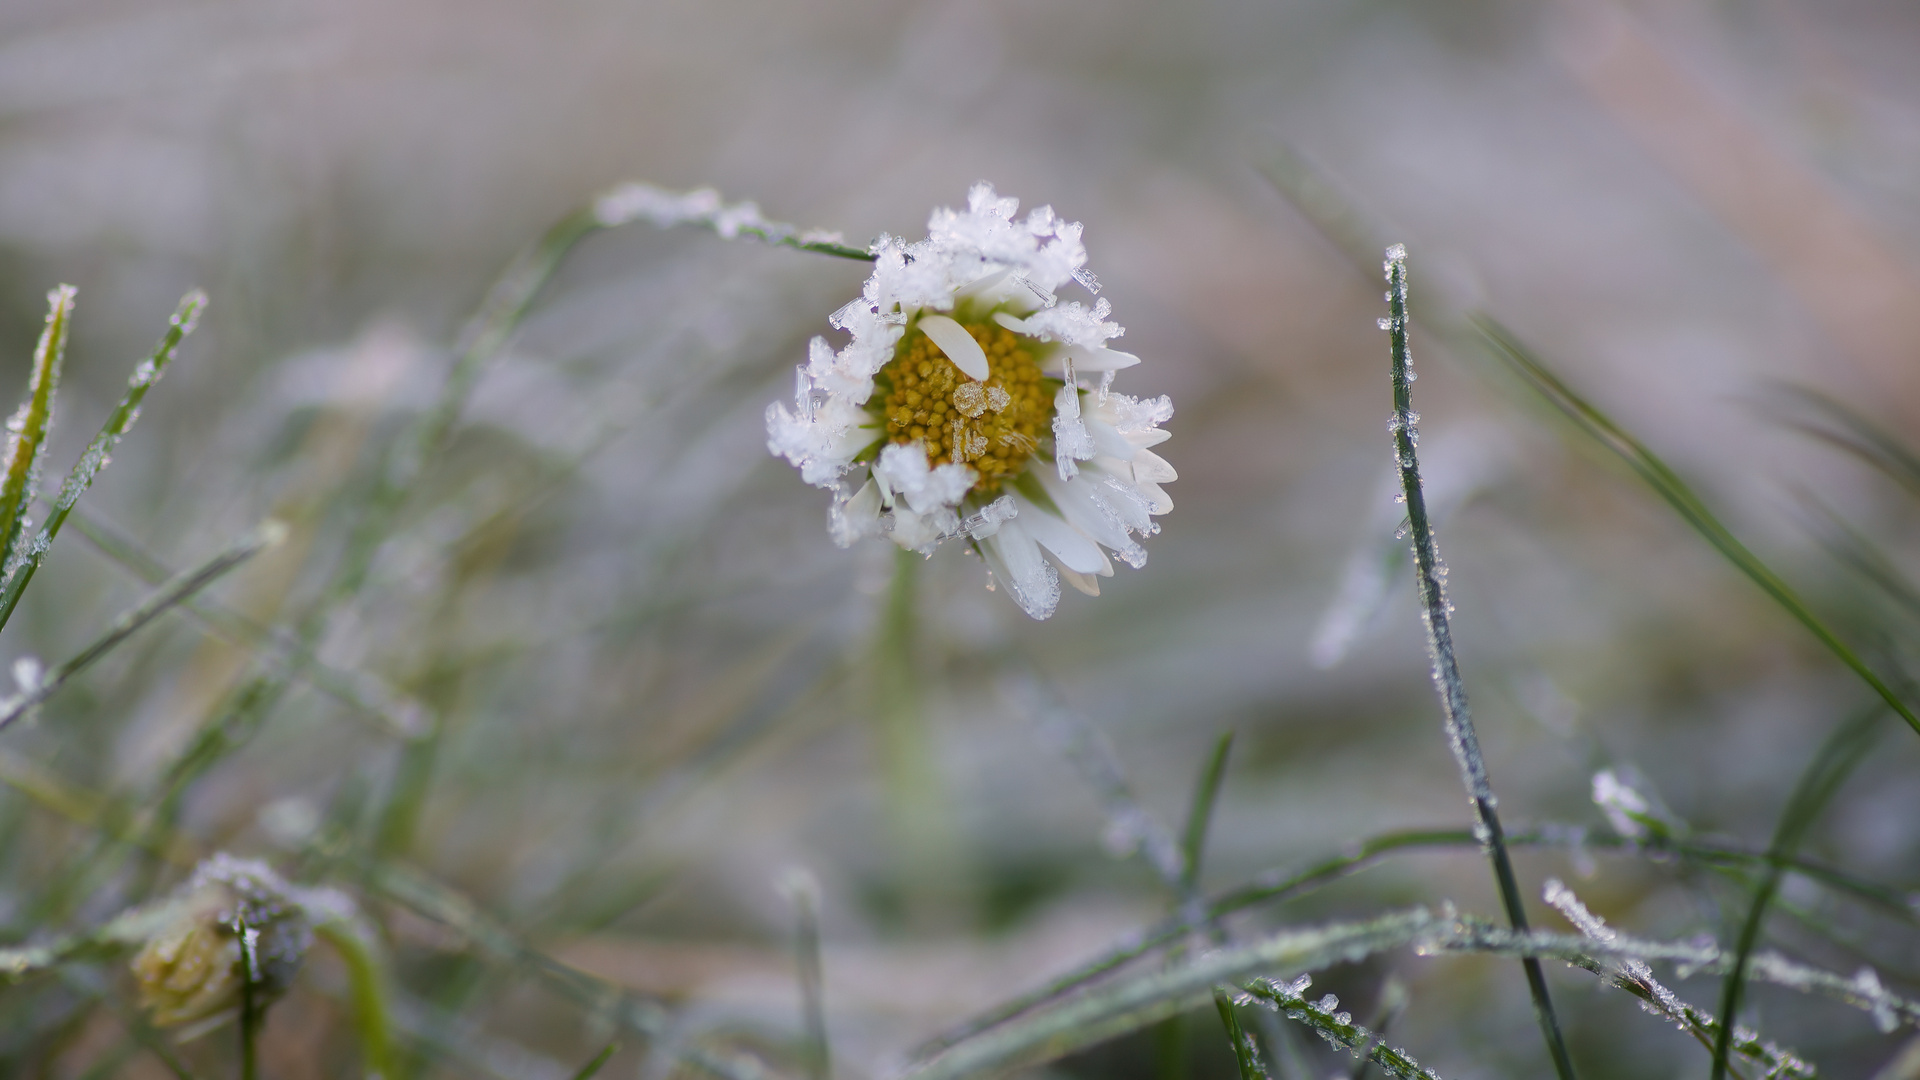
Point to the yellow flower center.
(993, 426)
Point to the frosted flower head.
(232, 918)
(973, 403)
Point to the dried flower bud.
(234, 922)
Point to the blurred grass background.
(650, 670)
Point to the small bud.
(235, 921)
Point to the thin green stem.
(367, 989)
(1434, 610)
(591, 1068)
(805, 894)
(249, 1007)
(1824, 775)
(1206, 792)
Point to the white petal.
(1017, 562)
(953, 339)
(858, 516)
(1106, 439)
(1076, 501)
(1018, 326)
(1151, 468)
(1086, 358)
(1075, 550)
(1158, 502)
(1086, 583)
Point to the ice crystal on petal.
(903, 473)
(1070, 438)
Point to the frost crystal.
(965, 366)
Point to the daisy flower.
(973, 403)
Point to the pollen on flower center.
(993, 426)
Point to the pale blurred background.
(652, 665)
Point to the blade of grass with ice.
(1137, 1002)
(27, 428)
(1504, 345)
(1278, 886)
(99, 450)
(170, 595)
(1435, 610)
(1246, 1055)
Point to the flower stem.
(1434, 610)
(926, 846)
(249, 1009)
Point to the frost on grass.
(1635, 976)
(702, 206)
(1631, 810)
(1334, 1025)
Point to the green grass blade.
(20, 572)
(1840, 425)
(1246, 1056)
(165, 599)
(1206, 792)
(27, 428)
(1667, 484)
(588, 1070)
(1824, 775)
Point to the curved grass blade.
(633, 201)
(20, 572)
(27, 428)
(1847, 429)
(591, 1068)
(1504, 345)
(1824, 775)
(175, 592)
(1206, 792)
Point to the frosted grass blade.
(1504, 345)
(1277, 886)
(28, 427)
(1134, 1003)
(170, 595)
(1435, 611)
(1246, 1055)
(96, 456)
